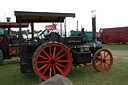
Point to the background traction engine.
(9, 43)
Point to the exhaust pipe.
(77, 26)
(94, 25)
(8, 20)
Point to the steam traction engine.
(55, 54)
(9, 44)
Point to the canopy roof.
(12, 25)
(41, 16)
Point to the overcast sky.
(109, 13)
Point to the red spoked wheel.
(50, 59)
(102, 60)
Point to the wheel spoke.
(42, 67)
(98, 57)
(59, 69)
(58, 53)
(54, 70)
(50, 50)
(107, 63)
(100, 54)
(97, 61)
(54, 52)
(42, 61)
(99, 65)
(46, 69)
(107, 59)
(104, 65)
(43, 57)
(46, 54)
(61, 65)
(106, 56)
(61, 56)
(50, 72)
(63, 61)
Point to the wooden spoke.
(46, 54)
(54, 52)
(61, 65)
(63, 61)
(59, 69)
(54, 70)
(43, 57)
(58, 53)
(61, 56)
(42, 67)
(46, 69)
(42, 61)
(50, 72)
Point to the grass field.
(116, 46)
(117, 75)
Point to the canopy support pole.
(20, 31)
(32, 29)
(65, 31)
(61, 29)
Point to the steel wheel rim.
(103, 60)
(53, 62)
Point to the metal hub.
(104, 60)
(52, 61)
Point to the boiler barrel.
(94, 46)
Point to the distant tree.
(25, 31)
(14, 32)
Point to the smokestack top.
(93, 13)
(8, 19)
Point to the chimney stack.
(77, 26)
(8, 20)
(94, 25)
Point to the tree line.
(25, 31)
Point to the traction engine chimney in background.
(77, 26)
(94, 25)
(8, 20)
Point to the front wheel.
(102, 60)
(51, 58)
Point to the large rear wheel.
(102, 60)
(50, 59)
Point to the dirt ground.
(120, 54)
